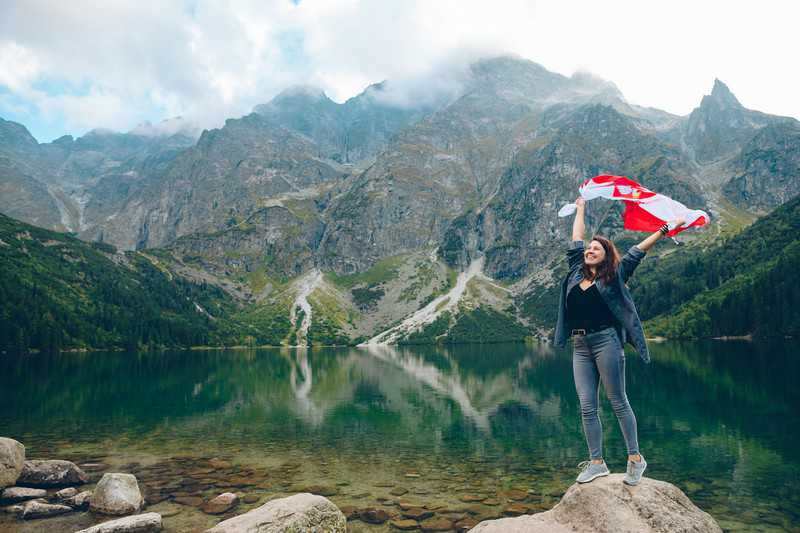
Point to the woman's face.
(594, 254)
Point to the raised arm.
(578, 224)
(575, 249)
(648, 243)
(634, 256)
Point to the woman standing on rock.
(597, 311)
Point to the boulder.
(38, 509)
(20, 494)
(12, 509)
(52, 473)
(221, 504)
(300, 513)
(116, 494)
(66, 494)
(12, 459)
(140, 523)
(607, 505)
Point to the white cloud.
(208, 60)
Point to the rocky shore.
(65, 496)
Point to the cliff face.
(767, 170)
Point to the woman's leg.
(587, 381)
(611, 364)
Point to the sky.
(69, 67)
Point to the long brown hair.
(607, 269)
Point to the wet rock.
(374, 516)
(221, 504)
(93, 467)
(12, 460)
(154, 498)
(417, 513)
(117, 494)
(436, 524)
(491, 501)
(303, 513)
(405, 525)
(219, 464)
(13, 495)
(472, 498)
(51, 473)
(189, 501)
(322, 490)
(398, 491)
(65, 494)
(405, 505)
(607, 505)
(465, 524)
(80, 500)
(515, 509)
(514, 494)
(38, 509)
(350, 511)
(251, 498)
(11, 509)
(140, 523)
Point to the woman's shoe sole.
(593, 478)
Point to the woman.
(597, 311)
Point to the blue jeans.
(599, 357)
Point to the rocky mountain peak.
(721, 96)
(15, 135)
(301, 93)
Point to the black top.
(586, 309)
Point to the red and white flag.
(645, 210)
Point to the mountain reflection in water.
(719, 419)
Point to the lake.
(465, 430)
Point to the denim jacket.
(615, 294)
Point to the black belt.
(589, 330)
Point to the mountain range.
(394, 220)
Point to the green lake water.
(471, 432)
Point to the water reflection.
(712, 415)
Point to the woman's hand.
(677, 223)
(580, 202)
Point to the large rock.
(116, 494)
(12, 459)
(20, 494)
(140, 523)
(301, 513)
(607, 505)
(51, 473)
(39, 509)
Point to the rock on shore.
(13, 495)
(12, 459)
(301, 513)
(116, 494)
(607, 505)
(140, 523)
(51, 473)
